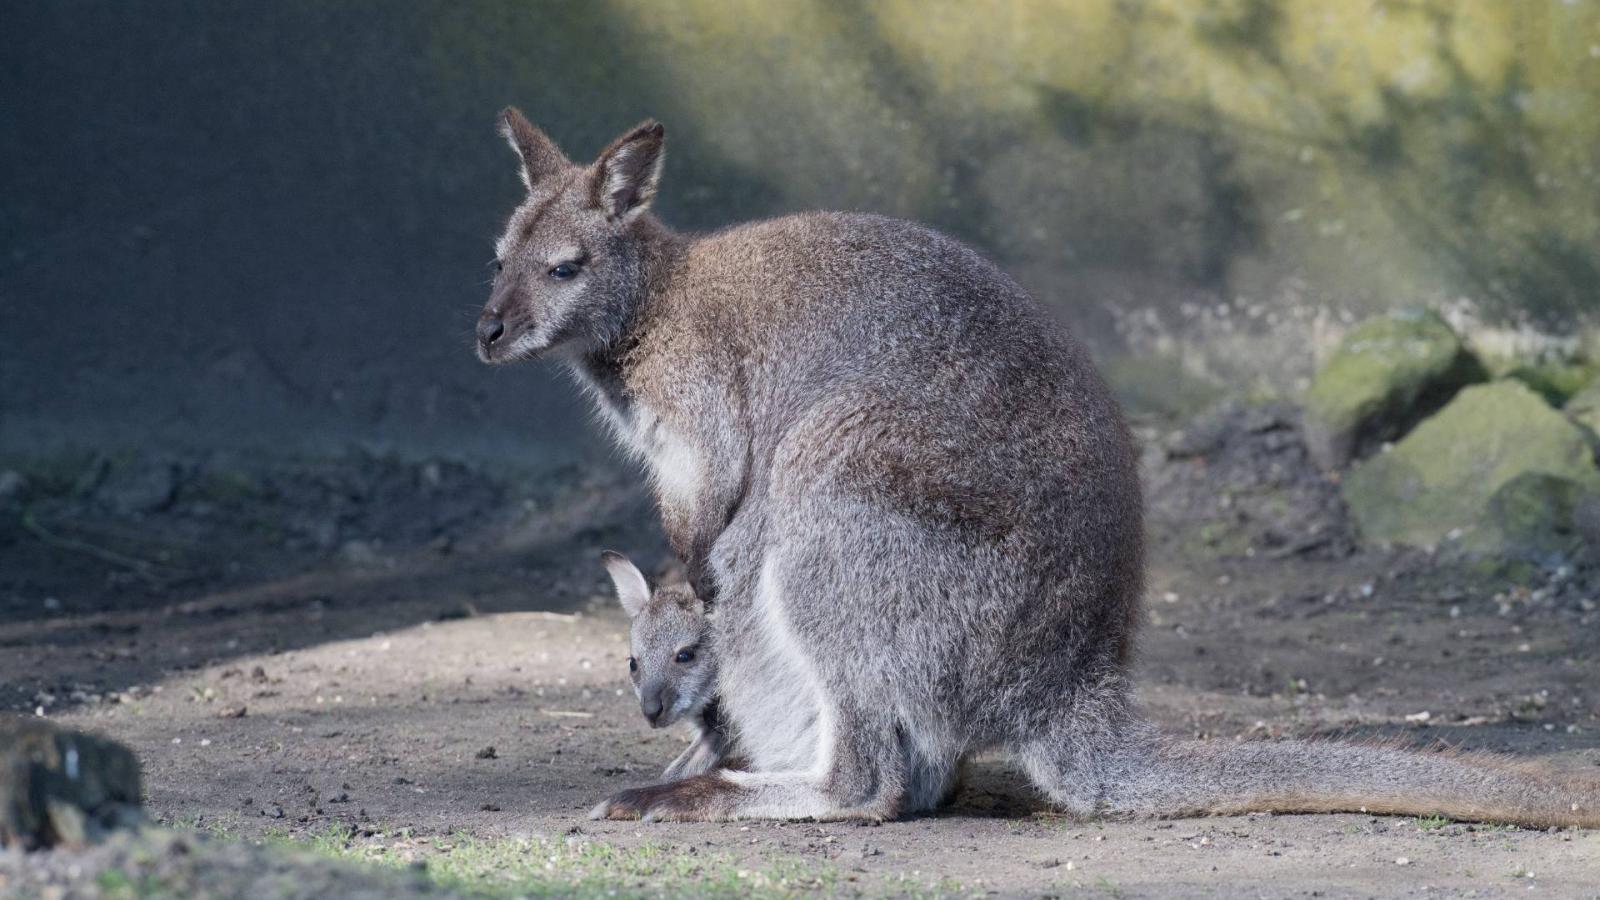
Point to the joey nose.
(490, 328)
(651, 707)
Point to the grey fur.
(914, 504)
(669, 622)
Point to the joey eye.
(499, 266)
(633, 664)
(564, 271)
(685, 656)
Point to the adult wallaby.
(672, 663)
(915, 504)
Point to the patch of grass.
(1431, 823)
(1107, 886)
(540, 867)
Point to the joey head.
(672, 662)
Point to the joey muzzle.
(655, 701)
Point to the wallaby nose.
(489, 329)
(651, 707)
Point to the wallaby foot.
(721, 796)
(700, 798)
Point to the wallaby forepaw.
(696, 760)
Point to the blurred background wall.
(269, 223)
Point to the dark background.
(268, 224)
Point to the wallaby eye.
(564, 271)
(633, 664)
(685, 656)
(499, 267)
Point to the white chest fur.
(676, 465)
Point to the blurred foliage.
(235, 189)
(1378, 151)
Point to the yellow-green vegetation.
(1380, 379)
(1431, 823)
(543, 867)
(155, 862)
(1372, 153)
(1497, 467)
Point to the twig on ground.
(152, 573)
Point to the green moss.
(1382, 362)
(1386, 372)
(1443, 476)
(537, 867)
(1556, 382)
(1535, 515)
(1583, 408)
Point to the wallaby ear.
(541, 158)
(628, 171)
(632, 589)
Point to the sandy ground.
(478, 685)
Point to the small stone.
(141, 486)
(360, 554)
(487, 753)
(1402, 861)
(12, 484)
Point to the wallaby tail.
(1167, 778)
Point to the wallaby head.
(673, 666)
(573, 259)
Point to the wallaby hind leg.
(1084, 754)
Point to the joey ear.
(541, 158)
(632, 589)
(627, 172)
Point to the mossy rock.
(1541, 516)
(1557, 382)
(60, 787)
(1584, 408)
(1445, 475)
(1388, 373)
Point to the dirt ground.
(423, 649)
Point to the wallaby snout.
(490, 329)
(502, 321)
